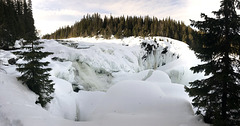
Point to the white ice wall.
(100, 59)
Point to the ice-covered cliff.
(94, 64)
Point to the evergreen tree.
(218, 97)
(34, 73)
(16, 22)
(94, 25)
(28, 21)
(8, 24)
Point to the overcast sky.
(49, 15)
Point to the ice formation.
(101, 82)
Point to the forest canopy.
(94, 25)
(16, 22)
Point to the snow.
(117, 87)
(142, 103)
(63, 102)
(5, 56)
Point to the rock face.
(12, 61)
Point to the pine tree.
(218, 97)
(34, 73)
(28, 20)
(16, 22)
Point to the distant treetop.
(94, 25)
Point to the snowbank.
(149, 102)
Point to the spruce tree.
(218, 96)
(7, 24)
(34, 72)
(16, 21)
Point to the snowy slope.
(118, 87)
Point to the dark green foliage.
(124, 27)
(16, 21)
(218, 97)
(34, 72)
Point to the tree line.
(16, 22)
(94, 25)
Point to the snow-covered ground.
(117, 85)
